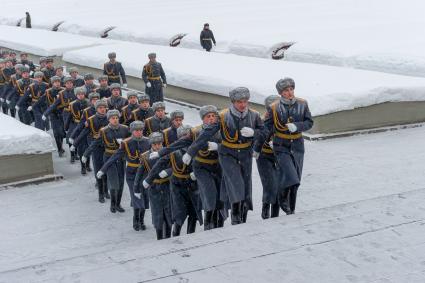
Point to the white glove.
(71, 141)
(124, 85)
(145, 184)
(192, 176)
(17, 107)
(29, 108)
(163, 174)
(72, 148)
(1, 100)
(186, 158)
(148, 84)
(164, 85)
(255, 154)
(99, 174)
(212, 146)
(8, 101)
(138, 195)
(247, 132)
(119, 141)
(154, 155)
(44, 118)
(271, 144)
(84, 159)
(291, 127)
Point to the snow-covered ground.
(18, 138)
(379, 35)
(360, 218)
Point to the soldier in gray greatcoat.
(238, 126)
(287, 118)
(155, 80)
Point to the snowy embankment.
(381, 36)
(45, 43)
(328, 89)
(18, 138)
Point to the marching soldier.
(91, 134)
(48, 70)
(238, 125)
(205, 167)
(103, 90)
(78, 80)
(269, 172)
(21, 88)
(11, 89)
(127, 111)
(27, 63)
(287, 119)
(170, 133)
(2, 81)
(7, 72)
(131, 149)
(114, 70)
(144, 110)
(159, 191)
(42, 63)
(59, 73)
(207, 38)
(154, 77)
(111, 137)
(116, 101)
(12, 56)
(89, 83)
(29, 101)
(159, 121)
(55, 115)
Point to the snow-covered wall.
(18, 138)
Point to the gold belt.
(236, 145)
(77, 120)
(289, 136)
(181, 176)
(131, 164)
(267, 150)
(207, 161)
(113, 77)
(111, 151)
(154, 78)
(161, 181)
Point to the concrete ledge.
(17, 168)
(34, 181)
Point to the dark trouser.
(143, 202)
(58, 131)
(115, 180)
(270, 180)
(25, 116)
(4, 107)
(160, 205)
(155, 92)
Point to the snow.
(348, 33)
(44, 43)
(328, 89)
(356, 221)
(18, 138)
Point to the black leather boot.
(72, 157)
(176, 230)
(113, 201)
(88, 165)
(275, 210)
(191, 225)
(105, 187)
(167, 231)
(136, 219)
(293, 198)
(244, 212)
(220, 219)
(159, 234)
(284, 200)
(83, 169)
(208, 220)
(99, 185)
(142, 220)
(118, 203)
(236, 213)
(265, 213)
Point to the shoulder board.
(145, 154)
(127, 140)
(300, 99)
(224, 111)
(124, 126)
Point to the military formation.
(200, 174)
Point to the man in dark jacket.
(207, 38)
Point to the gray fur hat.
(157, 105)
(49, 60)
(270, 99)
(284, 83)
(156, 137)
(42, 59)
(131, 93)
(183, 130)
(111, 113)
(101, 102)
(115, 85)
(79, 90)
(239, 93)
(102, 77)
(204, 110)
(92, 94)
(25, 69)
(19, 67)
(88, 76)
(152, 55)
(143, 97)
(136, 125)
(73, 69)
(38, 74)
(176, 114)
(55, 79)
(112, 55)
(68, 79)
